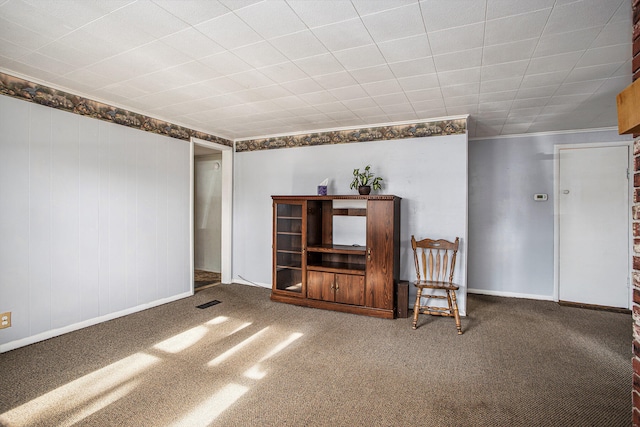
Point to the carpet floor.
(249, 361)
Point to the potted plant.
(364, 181)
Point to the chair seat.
(428, 284)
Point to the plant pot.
(364, 190)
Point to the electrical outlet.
(5, 320)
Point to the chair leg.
(416, 309)
(456, 314)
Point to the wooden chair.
(435, 260)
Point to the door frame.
(227, 208)
(556, 210)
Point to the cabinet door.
(288, 247)
(380, 247)
(349, 289)
(320, 285)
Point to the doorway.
(210, 205)
(592, 225)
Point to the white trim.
(227, 207)
(242, 281)
(509, 294)
(374, 125)
(90, 322)
(556, 209)
(555, 132)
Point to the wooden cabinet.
(310, 270)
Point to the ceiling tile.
(413, 67)
(251, 79)
(229, 31)
(148, 17)
(457, 101)
(461, 90)
(503, 8)
(193, 43)
(360, 103)
(20, 36)
(335, 80)
(225, 63)
(299, 87)
(372, 74)
(284, 72)
(549, 64)
(593, 72)
(437, 14)
(34, 19)
(424, 81)
(457, 39)
(366, 7)
(299, 45)
(396, 23)
(424, 95)
(498, 96)
(579, 15)
(360, 57)
(517, 27)
(348, 92)
(320, 97)
(579, 88)
(343, 35)
(405, 49)
(382, 88)
(502, 71)
(392, 99)
(573, 41)
(487, 86)
(260, 54)
(536, 92)
(546, 79)
(192, 12)
(466, 75)
(271, 18)
(508, 52)
(604, 55)
(319, 65)
(453, 61)
(316, 14)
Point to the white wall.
(94, 219)
(208, 212)
(430, 174)
(511, 236)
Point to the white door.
(593, 204)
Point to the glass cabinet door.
(288, 250)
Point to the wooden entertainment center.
(310, 270)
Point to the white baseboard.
(509, 294)
(242, 281)
(90, 322)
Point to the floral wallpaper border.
(414, 130)
(33, 92)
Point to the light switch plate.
(540, 197)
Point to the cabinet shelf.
(338, 249)
(288, 267)
(339, 267)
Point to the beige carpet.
(251, 362)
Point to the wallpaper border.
(33, 92)
(380, 133)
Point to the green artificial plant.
(366, 177)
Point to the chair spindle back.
(434, 255)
